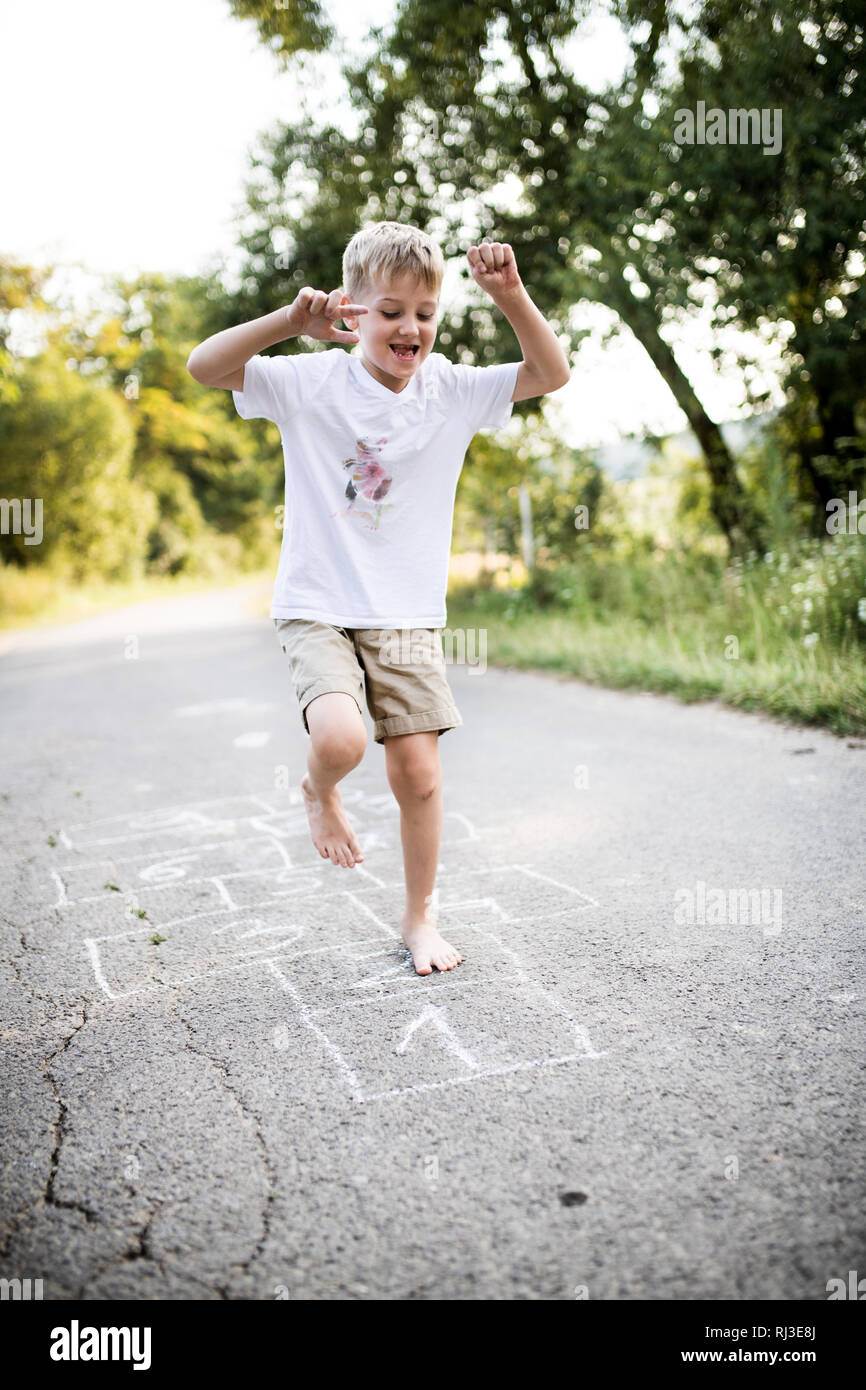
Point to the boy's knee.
(339, 748)
(417, 777)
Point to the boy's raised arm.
(220, 359)
(545, 366)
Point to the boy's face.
(403, 316)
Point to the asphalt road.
(646, 1080)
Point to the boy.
(373, 448)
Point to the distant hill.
(630, 458)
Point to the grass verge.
(677, 654)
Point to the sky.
(128, 135)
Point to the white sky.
(127, 137)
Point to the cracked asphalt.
(223, 1080)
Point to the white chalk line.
(277, 872)
(234, 961)
(350, 796)
(420, 986)
(191, 806)
(534, 873)
(298, 828)
(452, 1044)
(346, 1071)
(480, 1075)
(365, 873)
(471, 833)
(219, 881)
(185, 818)
(174, 852)
(432, 1014)
(248, 908)
(556, 1004)
(61, 891)
(389, 930)
(299, 894)
(224, 894)
(353, 897)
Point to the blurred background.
(688, 514)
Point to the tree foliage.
(608, 207)
(138, 468)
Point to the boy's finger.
(353, 309)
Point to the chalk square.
(446, 1037)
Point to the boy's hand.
(314, 315)
(494, 268)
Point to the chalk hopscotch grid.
(435, 1013)
(272, 825)
(245, 957)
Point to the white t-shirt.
(371, 476)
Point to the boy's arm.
(545, 366)
(220, 359)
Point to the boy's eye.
(388, 314)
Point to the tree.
(458, 98)
(67, 443)
(21, 287)
(205, 468)
(780, 239)
(453, 102)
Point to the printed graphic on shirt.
(368, 484)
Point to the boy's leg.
(337, 742)
(329, 685)
(415, 776)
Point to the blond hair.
(390, 249)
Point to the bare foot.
(427, 946)
(332, 834)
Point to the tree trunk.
(729, 503)
(527, 544)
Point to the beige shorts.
(403, 670)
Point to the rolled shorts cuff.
(439, 720)
(327, 685)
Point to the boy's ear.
(351, 321)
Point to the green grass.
(661, 622)
(619, 652)
(666, 627)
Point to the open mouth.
(405, 351)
